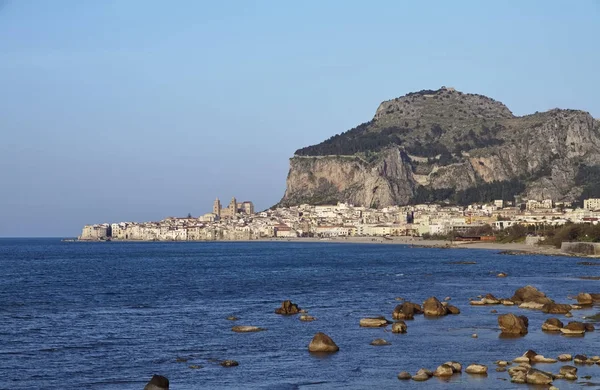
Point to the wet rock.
(373, 322)
(322, 343)
(502, 274)
(246, 329)
(513, 325)
(556, 308)
(552, 325)
(530, 354)
(530, 294)
(518, 377)
(521, 359)
(589, 327)
(500, 369)
(229, 363)
(573, 328)
(232, 318)
(507, 302)
(569, 315)
(406, 311)
(565, 357)
(477, 303)
(476, 369)
(420, 377)
(584, 299)
(181, 360)
(194, 366)
(399, 327)
(433, 307)
(157, 382)
(287, 308)
(538, 377)
(443, 371)
(503, 363)
(404, 376)
(456, 366)
(379, 342)
(307, 318)
(494, 311)
(512, 371)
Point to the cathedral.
(234, 208)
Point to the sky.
(137, 110)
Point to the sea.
(109, 315)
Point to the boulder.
(322, 343)
(565, 357)
(489, 299)
(287, 308)
(580, 359)
(521, 359)
(552, 325)
(404, 375)
(564, 370)
(477, 303)
(456, 366)
(379, 342)
(556, 308)
(584, 299)
(530, 294)
(503, 363)
(373, 322)
(518, 377)
(537, 377)
(399, 327)
(542, 359)
(569, 315)
(513, 325)
(507, 302)
(502, 274)
(406, 311)
(573, 328)
(476, 369)
(443, 371)
(512, 371)
(452, 309)
(420, 377)
(157, 382)
(246, 329)
(433, 307)
(229, 363)
(530, 354)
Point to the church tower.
(217, 208)
(232, 207)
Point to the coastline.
(417, 242)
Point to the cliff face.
(446, 145)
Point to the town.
(238, 221)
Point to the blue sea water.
(109, 315)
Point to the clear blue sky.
(138, 110)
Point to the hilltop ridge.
(446, 145)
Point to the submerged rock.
(379, 342)
(229, 363)
(157, 382)
(373, 322)
(246, 329)
(322, 343)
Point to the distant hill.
(445, 145)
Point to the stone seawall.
(581, 248)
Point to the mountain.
(445, 145)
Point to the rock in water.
(552, 325)
(443, 371)
(573, 328)
(158, 382)
(476, 369)
(530, 294)
(584, 299)
(373, 322)
(246, 329)
(537, 377)
(513, 325)
(556, 308)
(322, 343)
(229, 363)
(399, 327)
(434, 308)
(404, 375)
(379, 342)
(287, 308)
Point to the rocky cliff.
(446, 145)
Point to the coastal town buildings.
(239, 221)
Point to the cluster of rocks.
(443, 371)
(288, 308)
(431, 307)
(573, 328)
